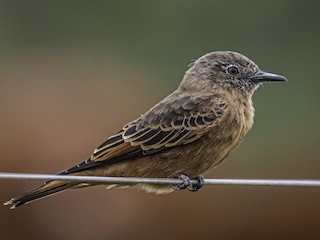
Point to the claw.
(185, 184)
(198, 185)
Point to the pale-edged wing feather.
(157, 130)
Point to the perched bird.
(188, 132)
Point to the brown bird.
(190, 131)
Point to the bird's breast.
(228, 133)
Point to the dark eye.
(233, 70)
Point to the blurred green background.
(74, 72)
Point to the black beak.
(267, 77)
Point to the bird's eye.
(233, 70)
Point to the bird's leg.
(185, 184)
(198, 185)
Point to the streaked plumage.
(188, 132)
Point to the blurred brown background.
(73, 72)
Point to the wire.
(112, 180)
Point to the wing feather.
(160, 128)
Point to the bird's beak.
(262, 76)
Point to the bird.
(189, 132)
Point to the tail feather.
(40, 192)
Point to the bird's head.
(226, 70)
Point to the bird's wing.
(170, 123)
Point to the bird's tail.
(45, 190)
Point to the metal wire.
(112, 180)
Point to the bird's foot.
(187, 182)
(196, 187)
